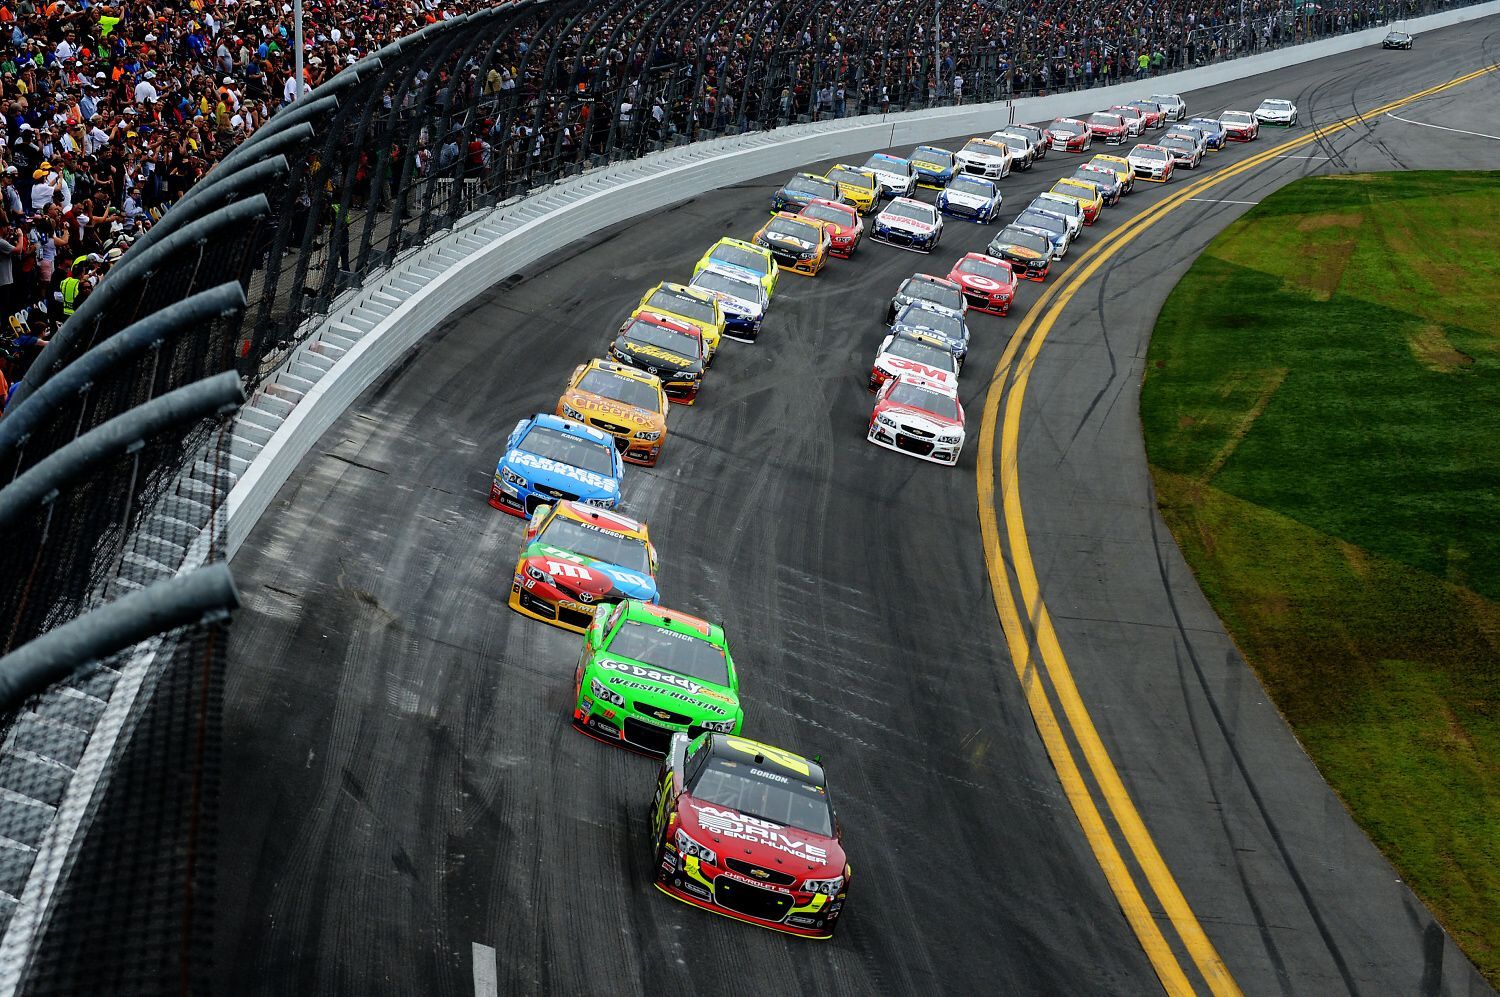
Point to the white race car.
(896, 176)
(1024, 150)
(910, 224)
(984, 157)
(970, 197)
(1152, 162)
(1173, 105)
(741, 298)
(919, 416)
(1068, 207)
(911, 353)
(1276, 112)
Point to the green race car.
(648, 672)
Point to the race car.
(919, 416)
(1184, 151)
(1194, 134)
(857, 185)
(748, 830)
(897, 177)
(930, 292)
(626, 403)
(1086, 193)
(1108, 126)
(1053, 224)
(910, 224)
(970, 197)
(1213, 132)
(989, 284)
(1024, 150)
(648, 673)
(577, 560)
(1239, 126)
(548, 458)
(799, 244)
(983, 157)
(1120, 165)
(671, 350)
(841, 222)
(1039, 141)
(1396, 39)
(1154, 114)
(910, 352)
(802, 188)
(1277, 112)
(1108, 182)
(1067, 207)
(1028, 251)
(934, 166)
(1171, 104)
(745, 257)
(1070, 135)
(1135, 121)
(683, 304)
(940, 324)
(740, 296)
(1152, 162)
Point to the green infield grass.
(1322, 416)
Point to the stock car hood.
(761, 842)
(788, 244)
(1273, 115)
(592, 580)
(1010, 249)
(657, 360)
(919, 419)
(651, 689)
(889, 178)
(906, 224)
(894, 365)
(732, 305)
(590, 404)
(551, 477)
(1059, 135)
(981, 284)
(926, 167)
(967, 199)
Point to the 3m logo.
(901, 363)
(566, 570)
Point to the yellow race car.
(1122, 169)
(1085, 194)
(799, 244)
(628, 404)
(690, 305)
(739, 256)
(858, 186)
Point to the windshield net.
(621, 389)
(567, 449)
(599, 544)
(770, 796)
(670, 651)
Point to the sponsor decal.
(653, 674)
(983, 283)
(522, 458)
(917, 367)
(624, 683)
(656, 352)
(730, 824)
(591, 404)
(773, 776)
(752, 882)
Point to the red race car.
(1239, 126)
(1108, 126)
(1152, 111)
(919, 416)
(989, 284)
(841, 222)
(748, 831)
(1069, 135)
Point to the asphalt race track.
(402, 781)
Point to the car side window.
(694, 766)
(614, 620)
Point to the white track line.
(1442, 128)
(1220, 200)
(486, 977)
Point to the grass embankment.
(1322, 416)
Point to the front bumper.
(905, 240)
(523, 501)
(934, 181)
(989, 304)
(807, 915)
(549, 605)
(681, 392)
(744, 328)
(843, 249)
(914, 446)
(982, 214)
(988, 169)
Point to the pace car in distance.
(989, 284)
(970, 197)
(671, 350)
(920, 417)
(741, 298)
(626, 403)
(747, 830)
(799, 244)
(575, 559)
(1277, 112)
(548, 458)
(910, 224)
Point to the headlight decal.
(687, 846)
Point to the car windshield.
(851, 178)
(1030, 131)
(926, 290)
(1100, 118)
(1126, 112)
(667, 649)
(757, 792)
(1164, 99)
(1093, 176)
(916, 212)
(1024, 239)
(1276, 105)
(686, 305)
(740, 257)
(805, 231)
(813, 186)
(979, 147)
(888, 164)
(944, 323)
(1237, 118)
(1156, 155)
(684, 344)
(565, 449)
(1179, 143)
(1018, 138)
(1105, 164)
(1181, 131)
(933, 157)
(994, 271)
(1146, 105)
(971, 185)
(1058, 202)
(745, 290)
(918, 397)
(825, 213)
(925, 353)
(1205, 124)
(1067, 127)
(1035, 219)
(622, 389)
(601, 545)
(1075, 188)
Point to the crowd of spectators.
(112, 111)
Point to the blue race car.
(934, 166)
(940, 323)
(970, 197)
(801, 190)
(549, 458)
(1213, 130)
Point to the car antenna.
(818, 759)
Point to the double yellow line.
(1013, 545)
